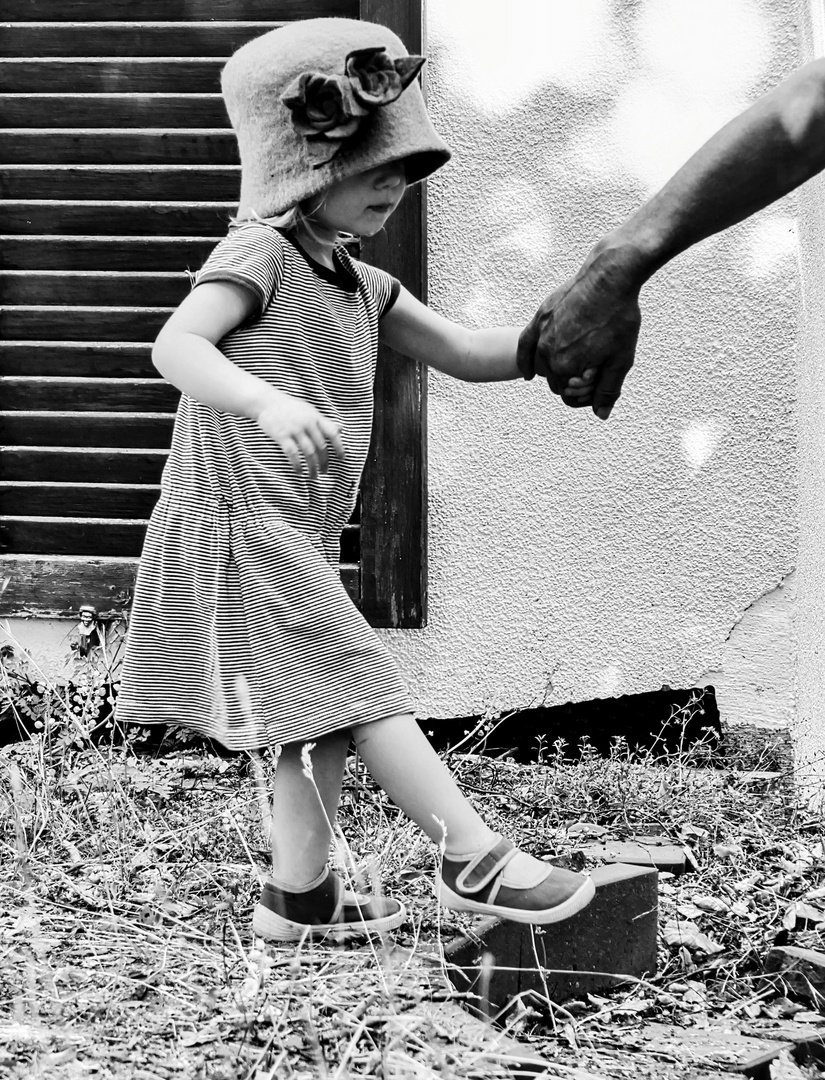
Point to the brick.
(642, 851)
(614, 937)
(801, 970)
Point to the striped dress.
(240, 626)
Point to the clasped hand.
(583, 337)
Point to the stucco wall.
(810, 611)
(569, 558)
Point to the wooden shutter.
(118, 172)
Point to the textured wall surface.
(810, 611)
(569, 558)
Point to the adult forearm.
(758, 157)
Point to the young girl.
(241, 627)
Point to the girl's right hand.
(301, 432)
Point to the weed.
(127, 883)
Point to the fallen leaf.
(199, 1038)
(60, 1057)
(695, 997)
(746, 885)
(710, 903)
(691, 830)
(789, 917)
(688, 935)
(727, 851)
(808, 913)
(73, 853)
(586, 828)
(690, 858)
(412, 875)
(689, 911)
(638, 1005)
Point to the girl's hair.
(293, 219)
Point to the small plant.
(70, 710)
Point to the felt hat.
(319, 100)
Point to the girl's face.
(363, 203)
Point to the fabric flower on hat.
(377, 80)
(323, 106)
(329, 109)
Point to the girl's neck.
(318, 244)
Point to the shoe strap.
(485, 865)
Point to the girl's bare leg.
(302, 810)
(401, 759)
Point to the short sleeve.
(383, 287)
(251, 255)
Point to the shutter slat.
(88, 395)
(175, 10)
(103, 323)
(110, 75)
(102, 253)
(67, 536)
(18, 499)
(89, 289)
(128, 38)
(55, 535)
(93, 535)
(81, 465)
(114, 218)
(113, 110)
(140, 430)
(104, 359)
(56, 587)
(99, 146)
(161, 183)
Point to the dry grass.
(127, 884)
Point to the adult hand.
(583, 337)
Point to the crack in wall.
(756, 683)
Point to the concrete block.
(641, 851)
(614, 937)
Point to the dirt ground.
(127, 881)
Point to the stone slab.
(642, 851)
(721, 1045)
(801, 970)
(612, 939)
(493, 1053)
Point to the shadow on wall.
(662, 721)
